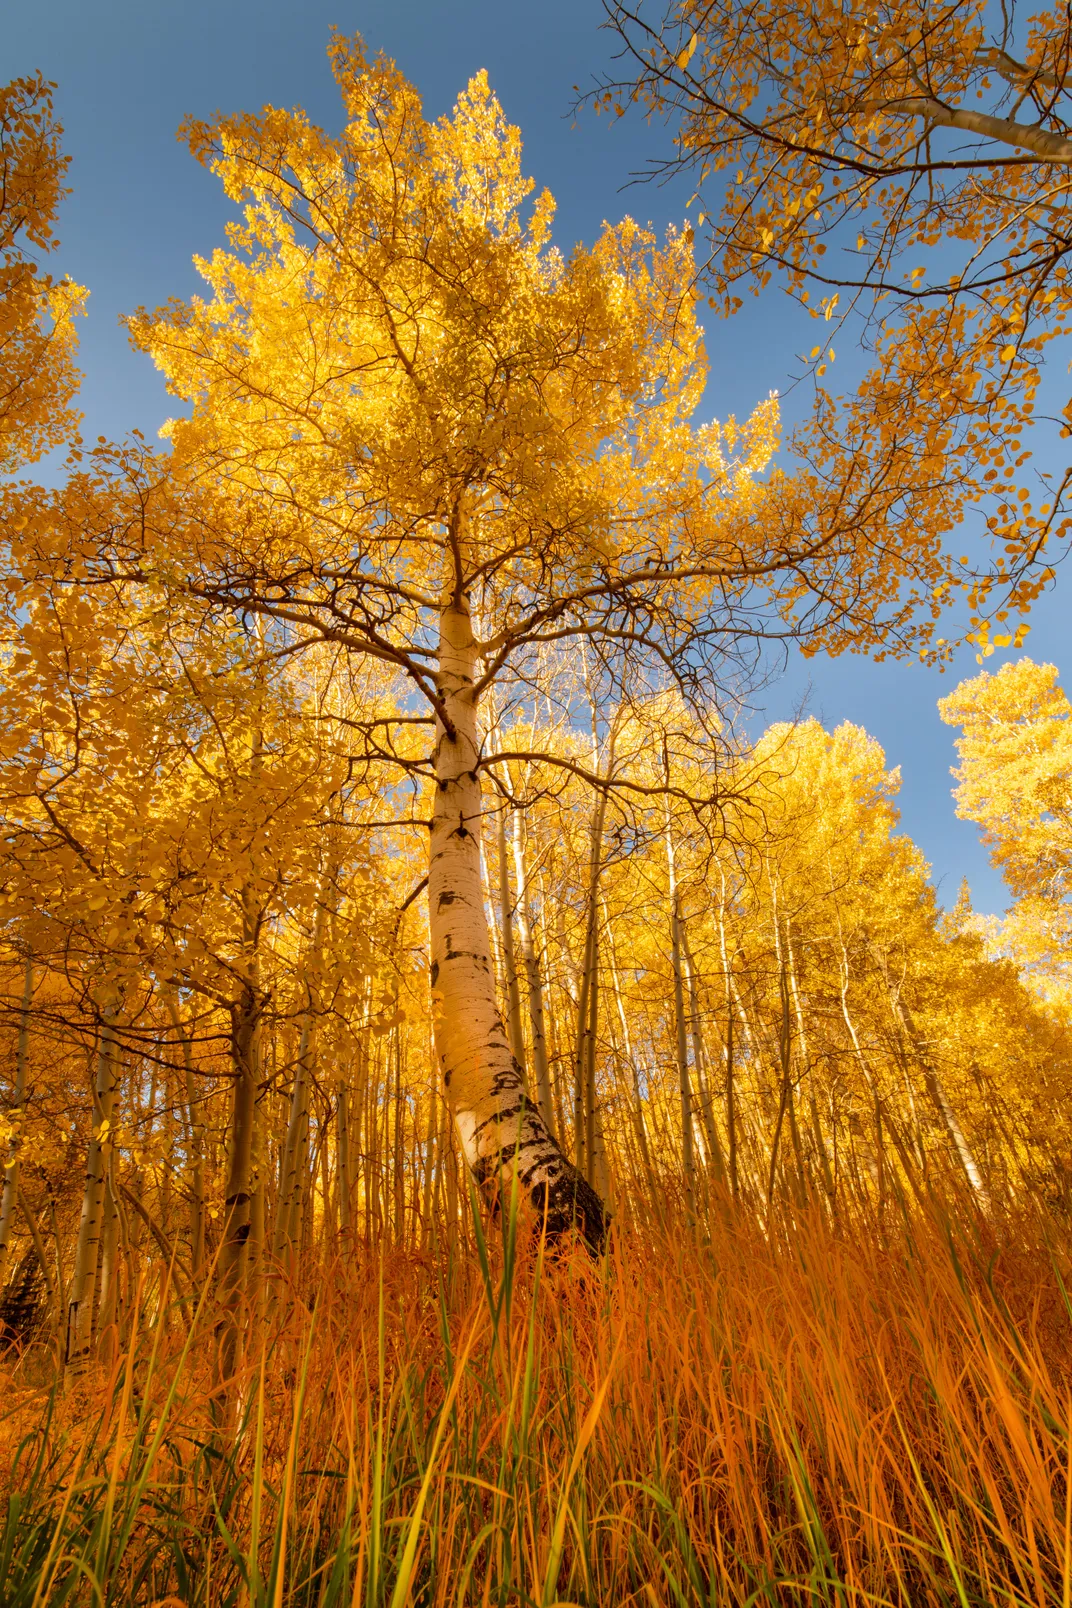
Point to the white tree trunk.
(11, 1170)
(80, 1302)
(502, 1133)
(506, 909)
(535, 980)
(195, 1138)
(233, 1264)
(680, 1037)
(941, 1100)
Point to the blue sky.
(128, 72)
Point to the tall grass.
(808, 1416)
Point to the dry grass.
(733, 1419)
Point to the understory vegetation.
(875, 1411)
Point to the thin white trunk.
(343, 1162)
(232, 1266)
(802, 1037)
(11, 1170)
(195, 1127)
(688, 1161)
(941, 1101)
(83, 1282)
(534, 977)
(584, 1092)
(731, 1069)
(699, 1062)
(295, 1168)
(502, 1133)
(506, 910)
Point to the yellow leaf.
(685, 56)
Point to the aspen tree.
(491, 426)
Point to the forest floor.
(854, 1413)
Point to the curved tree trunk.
(502, 1132)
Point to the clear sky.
(129, 70)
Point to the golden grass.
(819, 1416)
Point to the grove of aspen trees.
(481, 1124)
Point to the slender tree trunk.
(427, 1172)
(699, 1062)
(627, 1047)
(595, 1148)
(941, 1101)
(501, 1132)
(343, 1163)
(506, 911)
(11, 1170)
(233, 1260)
(256, 1251)
(731, 1090)
(295, 1168)
(787, 1105)
(195, 1127)
(862, 1062)
(802, 1040)
(731, 1099)
(534, 978)
(42, 1259)
(398, 1147)
(587, 993)
(884, 1122)
(84, 1278)
(587, 983)
(681, 1029)
(108, 1306)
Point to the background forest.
(479, 1126)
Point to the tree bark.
(502, 1132)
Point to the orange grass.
(731, 1418)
